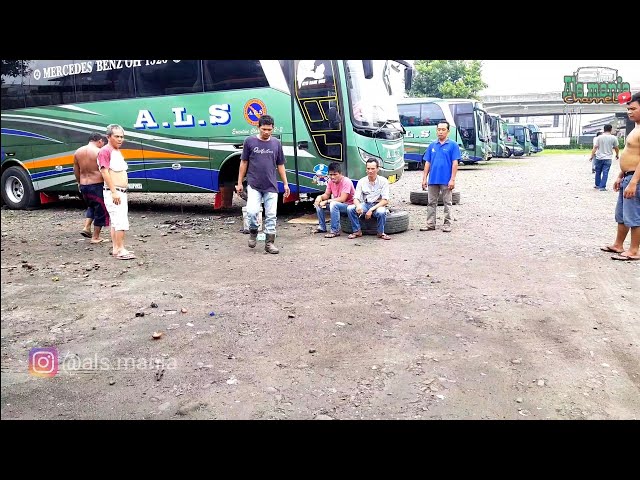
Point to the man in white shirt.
(370, 199)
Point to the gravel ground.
(516, 314)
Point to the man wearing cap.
(628, 206)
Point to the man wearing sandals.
(370, 199)
(114, 172)
(338, 195)
(627, 185)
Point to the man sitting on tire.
(338, 195)
(370, 199)
(440, 167)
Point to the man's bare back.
(630, 157)
(86, 160)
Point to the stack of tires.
(421, 197)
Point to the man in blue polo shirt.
(440, 167)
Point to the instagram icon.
(43, 362)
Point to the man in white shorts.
(113, 168)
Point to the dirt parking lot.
(516, 314)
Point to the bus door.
(465, 122)
(319, 138)
(483, 136)
(527, 141)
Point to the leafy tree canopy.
(12, 68)
(447, 79)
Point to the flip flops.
(100, 240)
(125, 255)
(625, 258)
(384, 236)
(607, 248)
(354, 235)
(86, 234)
(319, 230)
(332, 235)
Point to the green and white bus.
(498, 131)
(185, 121)
(467, 120)
(518, 139)
(537, 138)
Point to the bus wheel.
(507, 153)
(17, 189)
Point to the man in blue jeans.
(341, 189)
(261, 157)
(370, 199)
(603, 149)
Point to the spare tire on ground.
(397, 221)
(421, 197)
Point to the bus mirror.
(408, 79)
(367, 66)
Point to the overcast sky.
(510, 77)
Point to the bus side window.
(409, 115)
(431, 114)
(102, 85)
(233, 75)
(43, 86)
(171, 78)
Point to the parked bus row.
(515, 139)
(185, 121)
(479, 134)
(469, 127)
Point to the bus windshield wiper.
(391, 123)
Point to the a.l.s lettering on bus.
(218, 115)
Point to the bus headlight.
(367, 157)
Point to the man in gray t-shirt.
(602, 152)
(261, 156)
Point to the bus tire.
(421, 197)
(17, 190)
(397, 221)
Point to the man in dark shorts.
(627, 185)
(91, 185)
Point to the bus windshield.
(371, 101)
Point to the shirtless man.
(114, 171)
(628, 206)
(91, 184)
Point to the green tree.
(12, 68)
(447, 79)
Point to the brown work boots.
(253, 238)
(269, 247)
